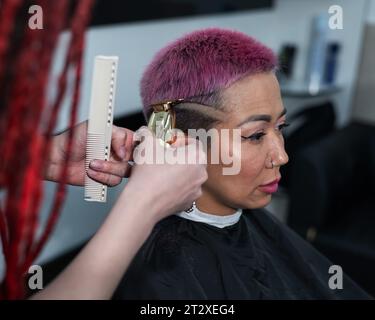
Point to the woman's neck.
(208, 204)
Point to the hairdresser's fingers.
(143, 139)
(116, 168)
(105, 178)
(142, 133)
(180, 139)
(122, 142)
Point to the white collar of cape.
(211, 219)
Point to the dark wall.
(115, 11)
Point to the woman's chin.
(264, 200)
(261, 201)
(267, 200)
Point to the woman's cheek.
(252, 165)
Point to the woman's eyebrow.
(260, 117)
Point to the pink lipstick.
(270, 187)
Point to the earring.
(191, 209)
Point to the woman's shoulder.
(304, 256)
(265, 224)
(169, 242)
(159, 269)
(279, 232)
(278, 236)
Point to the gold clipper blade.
(162, 121)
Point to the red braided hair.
(25, 141)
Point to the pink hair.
(201, 63)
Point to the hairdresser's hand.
(108, 172)
(166, 188)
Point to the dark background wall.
(115, 11)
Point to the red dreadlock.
(24, 147)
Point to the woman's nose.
(277, 152)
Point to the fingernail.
(91, 172)
(95, 164)
(122, 153)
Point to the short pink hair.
(202, 63)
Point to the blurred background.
(327, 76)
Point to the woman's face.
(255, 107)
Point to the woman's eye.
(255, 137)
(259, 135)
(282, 126)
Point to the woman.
(227, 246)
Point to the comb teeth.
(99, 132)
(95, 191)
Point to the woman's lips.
(270, 187)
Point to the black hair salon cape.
(256, 258)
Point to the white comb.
(99, 130)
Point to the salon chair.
(332, 199)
